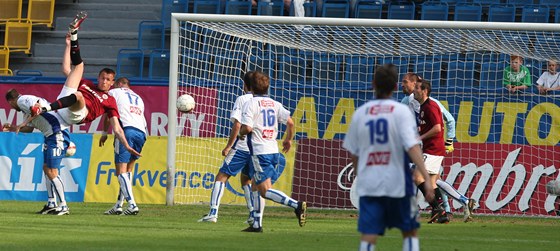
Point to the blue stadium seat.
(491, 75)
(130, 63)
(520, 2)
(207, 7)
(151, 35)
(227, 68)
(375, 38)
(326, 70)
(169, 6)
(196, 68)
(516, 41)
(270, 8)
(534, 14)
(359, 70)
(264, 63)
(235, 7)
(557, 14)
(535, 68)
(336, 8)
(434, 11)
(368, 9)
(400, 62)
(159, 64)
(310, 9)
(485, 2)
(429, 70)
(402, 10)
(468, 12)
(547, 44)
(501, 13)
(460, 74)
(550, 3)
(414, 42)
(291, 70)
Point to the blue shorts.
(135, 139)
(236, 161)
(267, 166)
(54, 148)
(380, 213)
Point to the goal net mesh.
(506, 144)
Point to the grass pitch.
(159, 227)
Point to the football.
(553, 187)
(185, 103)
(71, 150)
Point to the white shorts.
(71, 117)
(432, 163)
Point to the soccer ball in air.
(71, 150)
(553, 187)
(185, 103)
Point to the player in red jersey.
(85, 100)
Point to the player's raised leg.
(468, 204)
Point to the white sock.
(58, 189)
(51, 201)
(126, 189)
(120, 198)
(216, 197)
(450, 190)
(247, 194)
(74, 36)
(411, 244)
(258, 208)
(366, 246)
(281, 198)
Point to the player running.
(84, 100)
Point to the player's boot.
(61, 210)
(436, 213)
(253, 229)
(131, 210)
(75, 24)
(301, 213)
(46, 209)
(250, 220)
(471, 203)
(209, 218)
(115, 210)
(443, 219)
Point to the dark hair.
(106, 70)
(413, 77)
(123, 80)
(385, 79)
(426, 85)
(248, 80)
(12, 94)
(260, 83)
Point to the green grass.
(159, 227)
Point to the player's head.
(122, 82)
(260, 83)
(385, 80)
(422, 90)
(12, 96)
(409, 82)
(105, 79)
(247, 81)
(515, 62)
(551, 66)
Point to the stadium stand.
(41, 12)
(207, 7)
(501, 13)
(235, 7)
(130, 63)
(434, 11)
(402, 10)
(159, 64)
(270, 8)
(170, 6)
(368, 9)
(151, 35)
(336, 8)
(468, 12)
(534, 14)
(461, 73)
(5, 62)
(18, 36)
(10, 11)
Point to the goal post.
(321, 70)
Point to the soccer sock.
(75, 50)
(51, 201)
(258, 208)
(216, 197)
(281, 198)
(437, 197)
(58, 189)
(62, 102)
(126, 188)
(120, 198)
(445, 201)
(366, 246)
(247, 194)
(447, 188)
(411, 244)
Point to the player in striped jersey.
(382, 139)
(237, 158)
(259, 123)
(57, 140)
(131, 111)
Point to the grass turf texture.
(159, 227)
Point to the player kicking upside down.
(84, 100)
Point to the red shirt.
(97, 102)
(430, 115)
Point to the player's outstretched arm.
(415, 154)
(106, 124)
(66, 67)
(119, 133)
(232, 137)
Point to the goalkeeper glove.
(449, 145)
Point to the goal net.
(506, 144)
